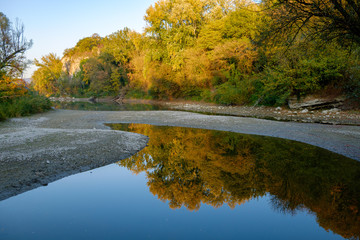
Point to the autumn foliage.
(12, 88)
(228, 51)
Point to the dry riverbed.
(33, 152)
(334, 116)
(45, 147)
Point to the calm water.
(197, 184)
(107, 106)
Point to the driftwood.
(316, 103)
(92, 99)
(121, 96)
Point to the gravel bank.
(32, 156)
(45, 147)
(333, 116)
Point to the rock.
(278, 109)
(334, 110)
(304, 111)
(92, 99)
(315, 103)
(72, 64)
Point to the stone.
(334, 110)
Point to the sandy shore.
(40, 149)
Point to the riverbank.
(45, 147)
(33, 152)
(25, 105)
(334, 116)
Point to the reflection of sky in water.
(112, 203)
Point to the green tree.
(103, 75)
(120, 45)
(86, 45)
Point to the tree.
(103, 75)
(120, 45)
(13, 45)
(87, 45)
(330, 19)
(46, 76)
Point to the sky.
(57, 25)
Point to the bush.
(206, 95)
(227, 94)
(137, 94)
(237, 90)
(2, 113)
(164, 89)
(23, 106)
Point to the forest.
(231, 52)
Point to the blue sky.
(59, 24)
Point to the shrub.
(164, 89)
(137, 94)
(23, 106)
(237, 90)
(206, 95)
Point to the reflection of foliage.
(193, 166)
(106, 106)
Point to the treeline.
(16, 96)
(226, 51)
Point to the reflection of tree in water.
(105, 106)
(188, 167)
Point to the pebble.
(334, 110)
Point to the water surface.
(197, 184)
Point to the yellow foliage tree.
(11, 88)
(47, 74)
